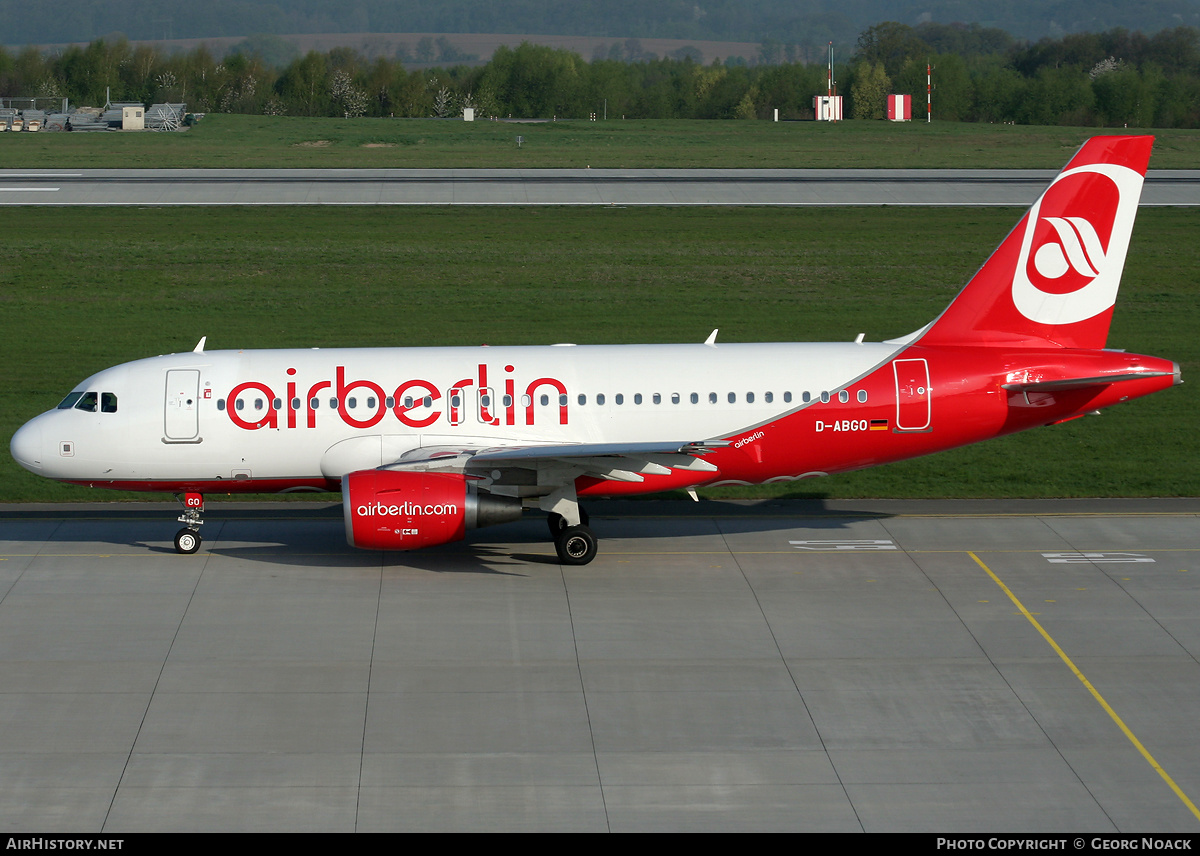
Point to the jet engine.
(397, 510)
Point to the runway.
(816, 187)
(941, 666)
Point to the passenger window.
(657, 398)
(674, 397)
(712, 398)
(258, 404)
(333, 403)
(408, 402)
(314, 403)
(582, 399)
(277, 404)
(108, 402)
(545, 399)
(749, 397)
(619, 398)
(824, 396)
(600, 398)
(295, 404)
(768, 397)
(390, 402)
(562, 400)
(695, 398)
(352, 402)
(805, 397)
(787, 397)
(862, 396)
(843, 396)
(220, 404)
(239, 404)
(732, 398)
(371, 401)
(637, 398)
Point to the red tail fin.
(1054, 279)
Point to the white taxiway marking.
(1097, 558)
(845, 544)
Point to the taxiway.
(738, 187)
(793, 665)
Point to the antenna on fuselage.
(199, 349)
(712, 338)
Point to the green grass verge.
(81, 290)
(276, 142)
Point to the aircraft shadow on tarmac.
(303, 534)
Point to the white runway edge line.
(152, 204)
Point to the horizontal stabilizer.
(1080, 382)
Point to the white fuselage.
(318, 414)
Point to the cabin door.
(182, 404)
(912, 395)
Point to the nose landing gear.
(187, 539)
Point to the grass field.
(277, 142)
(81, 290)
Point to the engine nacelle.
(391, 510)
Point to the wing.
(552, 470)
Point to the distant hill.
(798, 22)
(468, 48)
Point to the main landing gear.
(575, 545)
(187, 539)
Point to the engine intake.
(390, 510)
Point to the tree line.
(1114, 78)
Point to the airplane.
(427, 443)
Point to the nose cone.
(26, 446)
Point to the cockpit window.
(90, 402)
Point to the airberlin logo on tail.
(1078, 248)
(1073, 249)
